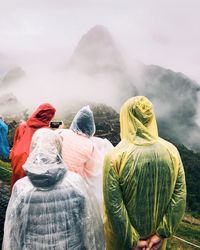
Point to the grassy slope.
(5, 171)
(187, 231)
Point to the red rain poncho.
(23, 135)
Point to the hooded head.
(83, 122)
(137, 121)
(44, 166)
(42, 116)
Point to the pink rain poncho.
(82, 152)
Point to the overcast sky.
(162, 32)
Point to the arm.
(118, 226)
(176, 207)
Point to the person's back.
(23, 135)
(144, 183)
(84, 156)
(48, 219)
(83, 153)
(77, 152)
(51, 207)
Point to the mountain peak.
(99, 33)
(97, 52)
(10, 106)
(13, 75)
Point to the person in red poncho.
(22, 139)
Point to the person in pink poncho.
(83, 153)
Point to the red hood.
(42, 116)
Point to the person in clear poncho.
(4, 146)
(51, 208)
(83, 152)
(143, 183)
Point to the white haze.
(40, 37)
(63, 89)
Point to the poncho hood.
(46, 176)
(83, 122)
(42, 116)
(137, 121)
(44, 166)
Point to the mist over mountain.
(11, 108)
(98, 57)
(12, 75)
(98, 72)
(175, 98)
(174, 95)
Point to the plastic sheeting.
(4, 146)
(144, 181)
(85, 156)
(83, 153)
(51, 208)
(83, 122)
(102, 147)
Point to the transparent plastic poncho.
(84, 156)
(51, 208)
(83, 122)
(143, 181)
(83, 153)
(101, 148)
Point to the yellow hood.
(138, 122)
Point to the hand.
(62, 125)
(141, 245)
(155, 242)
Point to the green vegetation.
(187, 231)
(191, 162)
(5, 165)
(5, 171)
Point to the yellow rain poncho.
(144, 181)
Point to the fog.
(155, 32)
(65, 65)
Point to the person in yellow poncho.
(143, 183)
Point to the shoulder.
(169, 146)
(3, 125)
(75, 181)
(64, 133)
(101, 144)
(74, 177)
(21, 127)
(115, 156)
(119, 150)
(23, 185)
